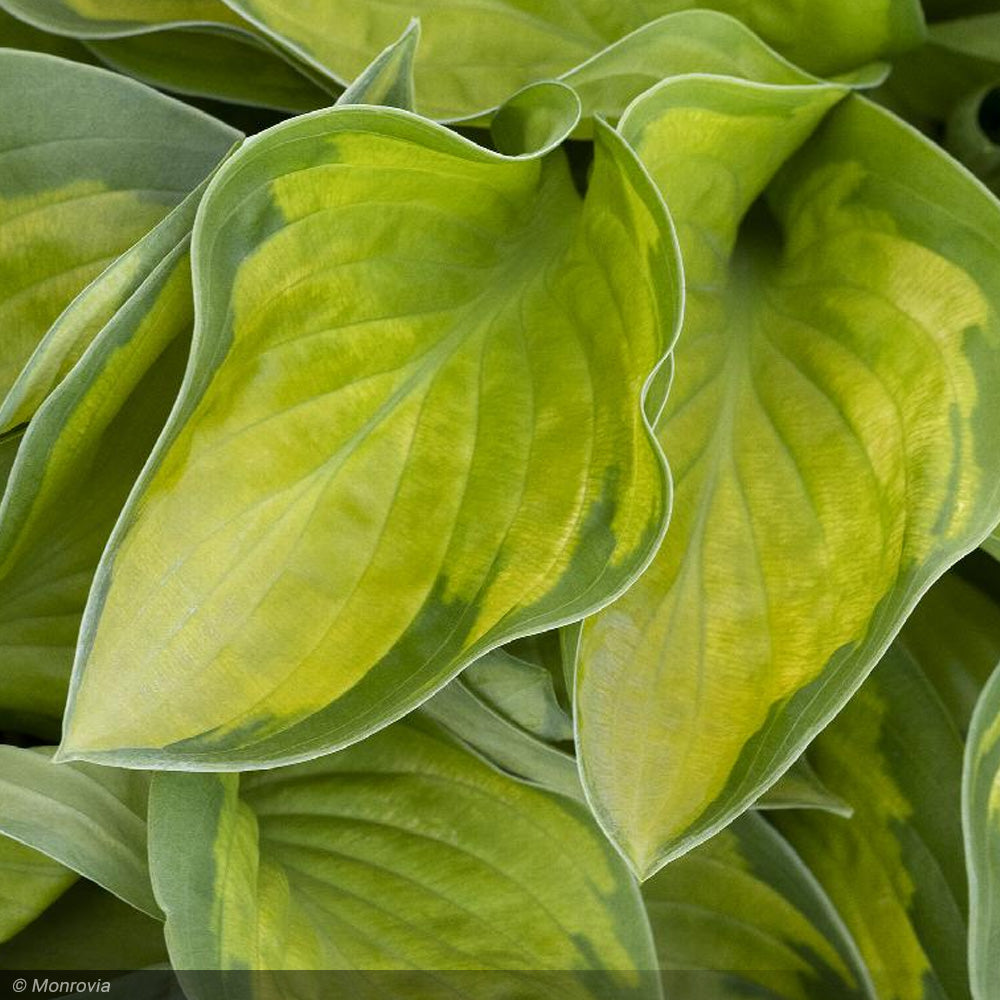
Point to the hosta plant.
(493, 498)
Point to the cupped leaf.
(461, 70)
(88, 929)
(894, 869)
(742, 916)
(402, 852)
(832, 433)
(91, 162)
(90, 819)
(29, 883)
(435, 358)
(74, 468)
(981, 824)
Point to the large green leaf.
(403, 852)
(90, 819)
(75, 465)
(91, 162)
(88, 928)
(741, 916)
(461, 70)
(29, 883)
(894, 869)
(981, 823)
(448, 404)
(831, 429)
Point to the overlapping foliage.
(497, 516)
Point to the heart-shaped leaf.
(436, 358)
(831, 428)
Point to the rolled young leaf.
(832, 430)
(434, 359)
(90, 163)
(462, 71)
(741, 915)
(981, 825)
(403, 852)
(894, 869)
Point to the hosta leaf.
(689, 41)
(388, 81)
(226, 65)
(461, 70)
(92, 310)
(405, 397)
(110, 18)
(981, 823)
(521, 691)
(75, 465)
(894, 869)
(15, 34)
(536, 119)
(800, 787)
(832, 433)
(954, 633)
(497, 739)
(88, 928)
(742, 916)
(402, 852)
(195, 47)
(90, 162)
(90, 819)
(29, 882)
